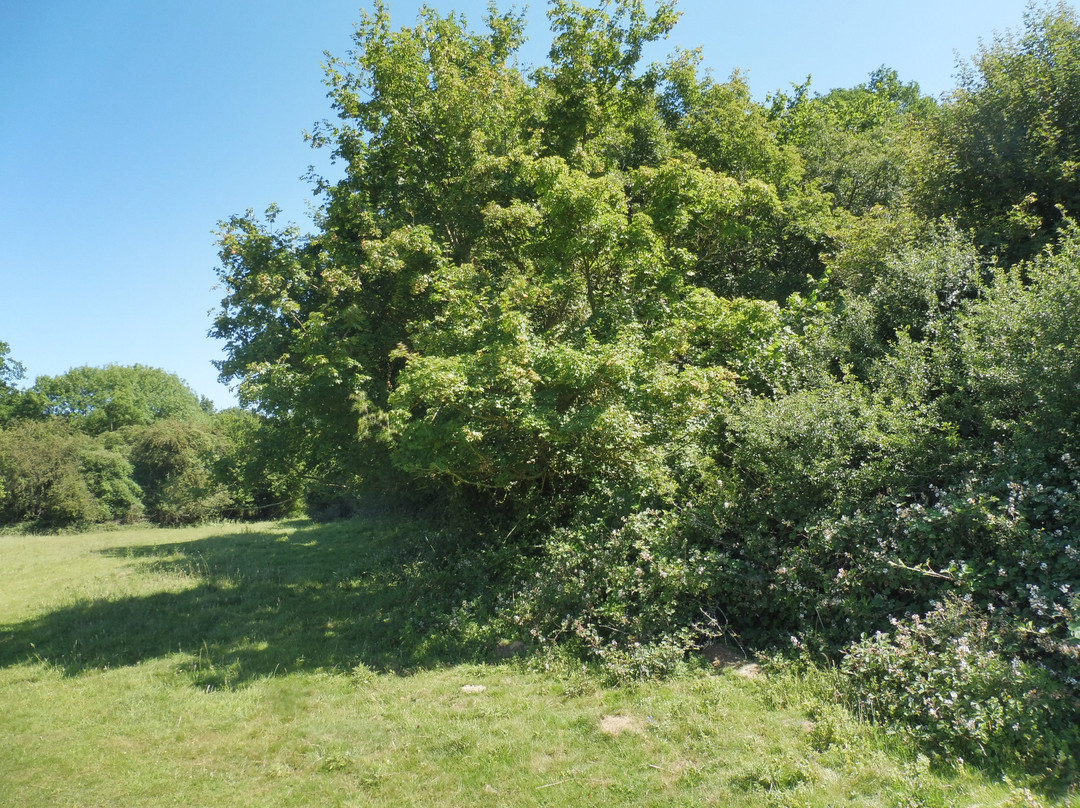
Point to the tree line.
(125, 444)
(804, 373)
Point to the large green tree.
(513, 287)
(103, 399)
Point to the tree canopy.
(509, 281)
(1010, 145)
(103, 399)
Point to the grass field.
(292, 664)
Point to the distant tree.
(1009, 146)
(10, 372)
(40, 476)
(862, 144)
(173, 464)
(102, 399)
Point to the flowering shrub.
(955, 681)
(627, 597)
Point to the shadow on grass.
(386, 593)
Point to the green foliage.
(599, 111)
(1009, 147)
(956, 683)
(244, 466)
(898, 286)
(752, 221)
(173, 462)
(40, 476)
(496, 301)
(626, 597)
(10, 372)
(108, 398)
(123, 443)
(862, 144)
(108, 476)
(692, 359)
(1021, 347)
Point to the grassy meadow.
(295, 664)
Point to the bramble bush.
(628, 597)
(956, 680)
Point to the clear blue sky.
(129, 128)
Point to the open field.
(295, 664)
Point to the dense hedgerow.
(671, 366)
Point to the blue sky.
(129, 128)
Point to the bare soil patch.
(720, 655)
(618, 724)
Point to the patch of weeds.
(831, 726)
(691, 776)
(333, 762)
(773, 773)
(1021, 797)
(371, 778)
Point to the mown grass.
(292, 664)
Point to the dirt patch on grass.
(618, 724)
(724, 656)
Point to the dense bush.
(628, 596)
(42, 480)
(244, 465)
(173, 464)
(957, 681)
(108, 475)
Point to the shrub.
(956, 681)
(108, 476)
(173, 462)
(41, 477)
(627, 597)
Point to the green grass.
(291, 664)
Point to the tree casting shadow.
(259, 603)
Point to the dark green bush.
(627, 596)
(173, 462)
(108, 475)
(41, 479)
